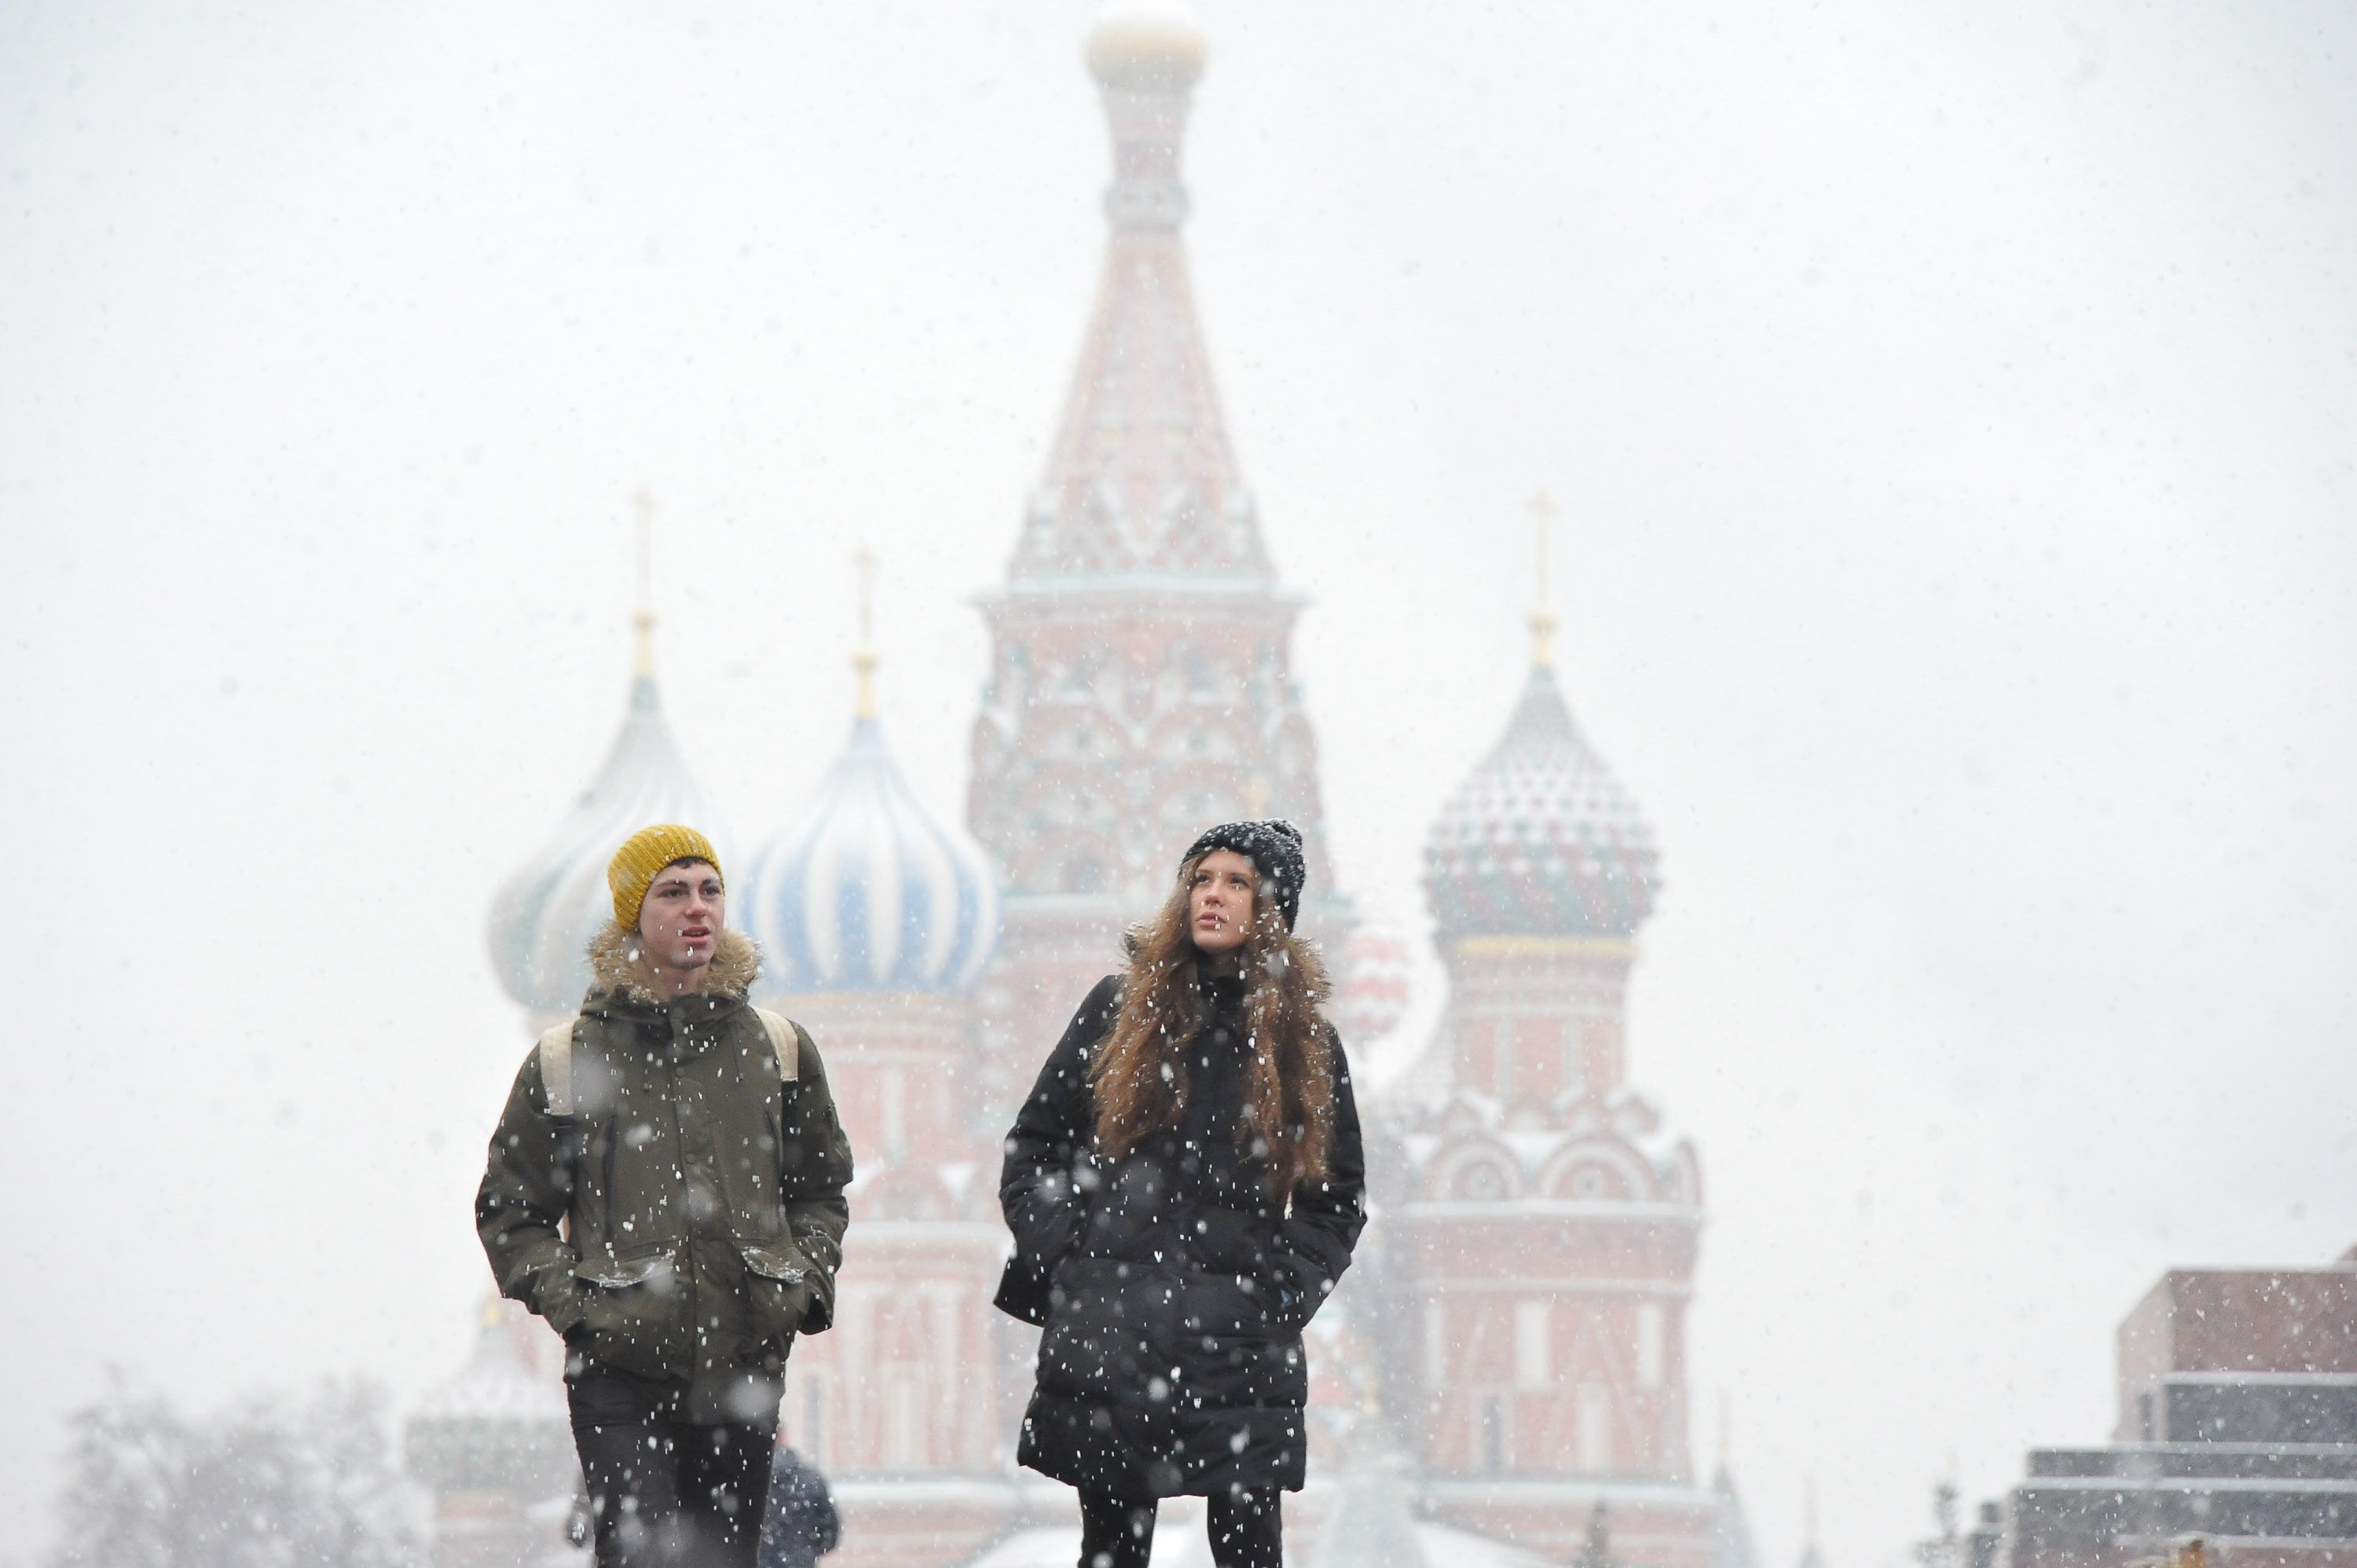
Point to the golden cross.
(1543, 512)
(863, 658)
(643, 619)
(863, 561)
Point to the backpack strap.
(556, 1067)
(785, 1040)
(556, 1057)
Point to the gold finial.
(863, 657)
(1542, 617)
(643, 619)
(1257, 798)
(492, 1313)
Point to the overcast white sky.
(1952, 407)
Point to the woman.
(1185, 1184)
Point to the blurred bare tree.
(271, 1483)
(1946, 1549)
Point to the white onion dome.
(545, 913)
(868, 891)
(1541, 839)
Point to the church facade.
(1544, 1219)
(1508, 1372)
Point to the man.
(665, 1188)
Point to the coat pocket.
(631, 1301)
(658, 1269)
(1045, 1214)
(1242, 1249)
(1109, 1337)
(781, 1286)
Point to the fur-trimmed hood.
(616, 968)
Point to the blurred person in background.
(1185, 1185)
(802, 1525)
(665, 1187)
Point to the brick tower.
(1141, 683)
(874, 920)
(1546, 1221)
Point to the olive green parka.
(686, 1221)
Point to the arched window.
(1653, 1351)
(1598, 1172)
(1594, 1408)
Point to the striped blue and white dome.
(545, 915)
(868, 891)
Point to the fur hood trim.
(615, 966)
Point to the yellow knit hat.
(632, 870)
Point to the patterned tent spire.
(1141, 682)
(1142, 480)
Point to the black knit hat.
(1274, 849)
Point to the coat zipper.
(610, 1183)
(687, 1234)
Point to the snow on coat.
(684, 1221)
(1173, 1285)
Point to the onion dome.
(1540, 839)
(546, 913)
(500, 1424)
(868, 891)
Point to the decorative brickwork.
(1545, 1222)
(1522, 1322)
(1141, 683)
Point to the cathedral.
(1503, 1380)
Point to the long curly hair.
(1139, 1074)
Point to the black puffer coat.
(1172, 1284)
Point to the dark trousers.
(664, 1492)
(1246, 1528)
